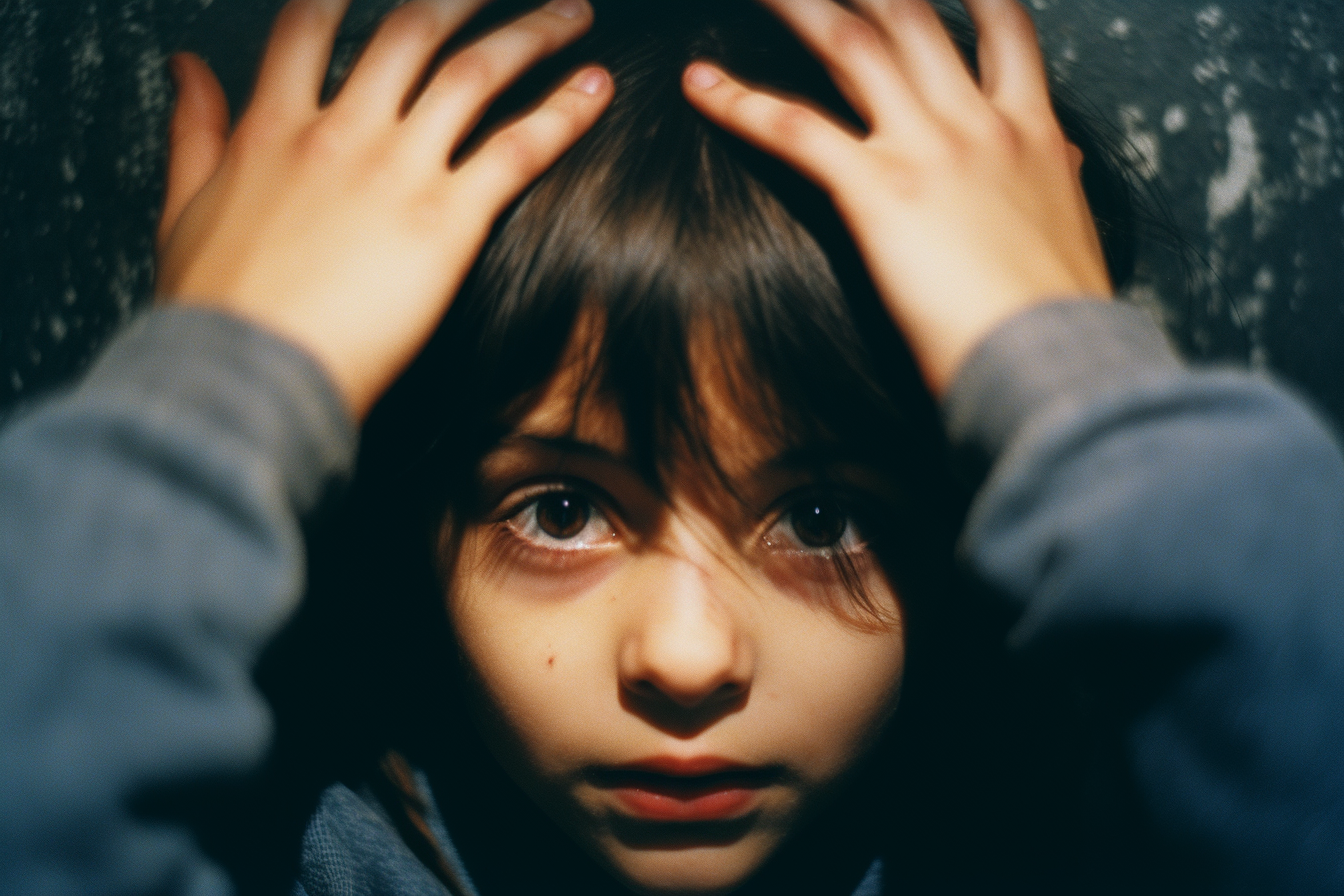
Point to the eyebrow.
(564, 445)
(812, 457)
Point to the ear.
(196, 136)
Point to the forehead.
(577, 409)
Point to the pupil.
(819, 523)
(562, 515)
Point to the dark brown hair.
(661, 225)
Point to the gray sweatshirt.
(151, 543)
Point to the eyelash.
(848, 542)
(527, 540)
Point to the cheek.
(537, 681)
(830, 685)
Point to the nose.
(684, 648)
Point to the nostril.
(710, 695)
(682, 715)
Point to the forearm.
(150, 544)
(1132, 502)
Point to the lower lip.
(683, 804)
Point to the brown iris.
(819, 522)
(562, 515)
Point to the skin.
(345, 229)
(962, 196)
(689, 626)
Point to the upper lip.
(698, 770)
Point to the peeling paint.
(1228, 191)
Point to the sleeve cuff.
(237, 378)
(1053, 359)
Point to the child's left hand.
(963, 196)
(343, 227)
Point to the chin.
(692, 869)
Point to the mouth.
(668, 789)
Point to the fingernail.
(569, 9)
(592, 81)
(701, 76)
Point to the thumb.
(196, 136)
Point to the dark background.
(1233, 110)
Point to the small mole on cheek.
(550, 661)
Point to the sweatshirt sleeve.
(150, 545)
(1175, 537)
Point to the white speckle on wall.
(18, 64)
(1119, 29)
(1229, 190)
(1319, 157)
(1175, 119)
(1210, 70)
(1264, 279)
(1209, 19)
(1141, 144)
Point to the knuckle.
(988, 131)
(788, 123)
(519, 150)
(414, 23)
(1001, 133)
(470, 70)
(851, 35)
(256, 133)
(322, 143)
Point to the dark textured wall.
(1233, 110)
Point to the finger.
(855, 56)
(801, 136)
(298, 53)
(927, 53)
(509, 160)
(1012, 69)
(197, 134)
(392, 64)
(461, 91)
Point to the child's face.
(674, 680)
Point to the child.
(679, 556)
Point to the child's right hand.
(342, 227)
(963, 196)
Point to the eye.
(815, 523)
(562, 515)
(819, 522)
(560, 519)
